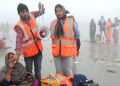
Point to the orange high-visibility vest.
(66, 41)
(28, 37)
(75, 49)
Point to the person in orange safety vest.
(27, 39)
(64, 32)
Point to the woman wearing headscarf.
(115, 26)
(64, 32)
(14, 73)
(92, 30)
(109, 29)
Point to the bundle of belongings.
(73, 80)
(98, 38)
(53, 80)
(77, 80)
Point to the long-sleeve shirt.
(20, 33)
(78, 44)
(77, 35)
(76, 30)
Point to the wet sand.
(96, 60)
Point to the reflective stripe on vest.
(75, 45)
(35, 24)
(68, 34)
(55, 42)
(26, 44)
(75, 49)
(69, 28)
(63, 42)
(26, 35)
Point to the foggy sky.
(83, 10)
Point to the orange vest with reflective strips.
(28, 37)
(66, 41)
(75, 49)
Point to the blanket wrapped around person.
(19, 75)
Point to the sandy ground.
(96, 60)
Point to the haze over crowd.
(83, 11)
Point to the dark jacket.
(78, 44)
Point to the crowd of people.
(65, 45)
(65, 37)
(110, 29)
(4, 29)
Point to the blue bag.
(79, 80)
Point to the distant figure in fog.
(3, 28)
(92, 30)
(7, 27)
(102, 24)
(109, 30)
(115, 26)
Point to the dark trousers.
(104, 33)
(37, 64)
(103, 29)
